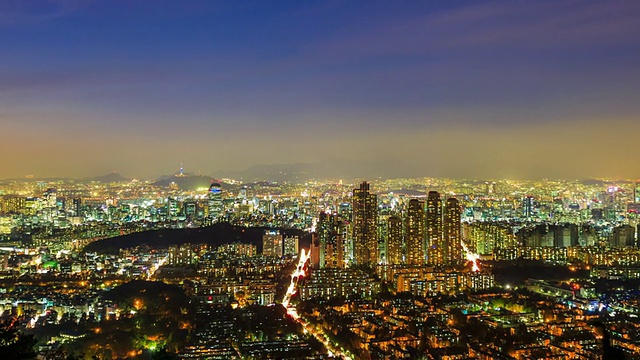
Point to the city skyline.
(473, 90)
(269, 269)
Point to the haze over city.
(392, 89)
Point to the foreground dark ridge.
(217, 234)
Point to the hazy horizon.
(298, 171)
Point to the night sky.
(524, 89)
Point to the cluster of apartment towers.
(420, 235)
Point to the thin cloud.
(16, 12)
(514, 25)
(83, 77)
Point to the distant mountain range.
(330, 169)
(109, 178)
(189, 182)
(291, 173)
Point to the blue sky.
(474, 89)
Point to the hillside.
(217, 234)
(109, 178)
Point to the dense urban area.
(189, 267)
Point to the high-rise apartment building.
(272, 243)
(415, 232)
(291, 246)
(12, 204)
(436, 248)
(182, 255)
(215, 204)
(383, 223)
(528, 207)
(451, 232)
(365, 220)
(395, 252)
(173, 207)
(77, 207)
(332, 231)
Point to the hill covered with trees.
(217, 234)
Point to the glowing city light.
(473, 258)
(297, 272)
(151, 271)
(291, 310)
(314, 225)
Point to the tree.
(163, 354)
(62, 354)
(14, 344)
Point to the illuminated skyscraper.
(315, 251)
(383, 232)
(291, 246)
(345, 210)
(49, 201)
(272, 243)
(12, 204)
(332, 231)
(365, 219)
(181, 255)
(636, 192)
(190, 208)
(49, 197)
(215, 204)
(394, 241)
(415, 232)
(436, 252)
(452, 227)
(528, 207)
(172, 207)
(77, 207)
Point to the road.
(333, 349)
